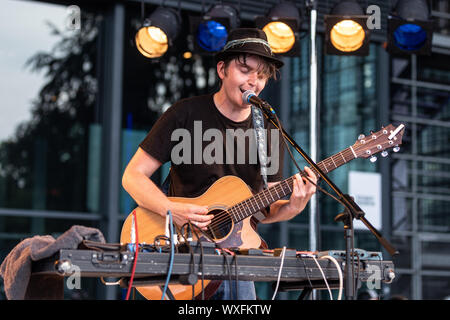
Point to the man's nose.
(252, 79)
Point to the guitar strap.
(260, 135)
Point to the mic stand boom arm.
(352, 210)
(347, 201)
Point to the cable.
(357, 274)
(191, 251)
(202, 259)
(193, 228)
(236, 276)
(352, 255)
(172, 253)
(341, 281)
(323, 276)
(202, 266)
(225, 252)
(306, 271)
(136, 252)
(279, 272)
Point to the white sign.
(365, 188)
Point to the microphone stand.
(352, 210)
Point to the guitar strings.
(223, 216)
(222, 219)
(236, 209)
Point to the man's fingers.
(193, 209)
(298, 186)
(312, 176)
(197, 209)
(200, 217)
(310, 186)
(202, 225)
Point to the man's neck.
(228, 109)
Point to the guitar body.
(223, 194)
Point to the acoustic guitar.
(233, 204)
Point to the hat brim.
(222, 55)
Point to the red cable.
(135, 255)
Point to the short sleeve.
(158, 142)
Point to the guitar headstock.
(386, 138)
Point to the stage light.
(187, 55)
(157, 32)
(211, 30)
(410, 29)
(346, 31)
(281, 26)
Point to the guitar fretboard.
(270, 195)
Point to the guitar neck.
(265, 198)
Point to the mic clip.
(267, 109)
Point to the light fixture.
(157, 32)
(210, 31)
(281, 26)
(410, 29)
(346, 31)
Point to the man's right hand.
(184, 212)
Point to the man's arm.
(283, 210)
(136, 181)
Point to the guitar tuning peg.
(396, 149)
(384, 154)
(361, 136)
(373, 159)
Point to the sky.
(23, 32)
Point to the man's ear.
(221, 69)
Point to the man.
(245, 63)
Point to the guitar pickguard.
(233, 240)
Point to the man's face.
(239, 77)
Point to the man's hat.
(251, 41)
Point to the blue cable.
(172, 253)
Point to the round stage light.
(187, 55)
(211, 35)
(211, 29)
(410, 37)
(151, 42)
(347, 35)
(158, 32)
(410, 28)
(280, 36)
(281, 25)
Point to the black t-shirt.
(203, 145)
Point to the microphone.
(250, 97)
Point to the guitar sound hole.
(220, 225)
